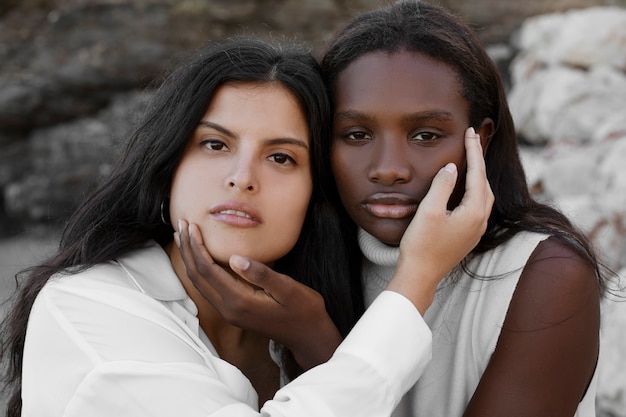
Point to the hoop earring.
(163, 214)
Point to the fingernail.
(450, 167)
(180, 225)
(177, 239)
(240, 262)
(472, 131)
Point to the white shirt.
(122, 339)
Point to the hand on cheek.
(437, 239)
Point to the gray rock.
(560, 103)
(578, 38)
(65, 161)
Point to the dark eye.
(281, 158)
(214, 145)
(358, 136)
(425, 136)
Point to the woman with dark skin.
(234, 142)
(516, 325)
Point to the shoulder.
(110, 300)
(557, 282)
(508, 258)
(98, 277)
(547, 350)
(128, 271)
(100, 274)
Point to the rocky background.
(71, 71)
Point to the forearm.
(378, 362)
(318, 345)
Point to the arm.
(98, 348)
(276, 305)
(548, 348)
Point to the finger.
(184, 246)
(189, 259)
(275, 285)
(206, 275)
(440, 189)
(477, 189)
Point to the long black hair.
(124, 211)
(417, 26)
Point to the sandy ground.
(16, 254)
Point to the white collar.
(151, 269)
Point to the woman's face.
(399, 118)
(245, 176)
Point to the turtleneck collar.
(379, 265)
(376, 251)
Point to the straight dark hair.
(124, 211)
(420, 27)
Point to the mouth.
(390, 206)
(236, 214)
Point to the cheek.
(459, 188)
(186, 196)
(177, 193)
(427, 163)
(289, 208)
(291, 212)
(450, 151)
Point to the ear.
(486, 130)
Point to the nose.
(390, 163)
(243, 175)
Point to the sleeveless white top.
(466, 317)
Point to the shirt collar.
(151, 269)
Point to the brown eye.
(358, 136)
(214, 145)
(281, 158)
(425, 137)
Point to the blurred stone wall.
(70, 71)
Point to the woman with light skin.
(232, 149)
(516, 325)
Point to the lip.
(390, 205)
(236, 213)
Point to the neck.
(218, 330)
(247, 350)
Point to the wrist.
(416, 281)
(319, 347)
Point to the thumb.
(441, 187)
(263, 277)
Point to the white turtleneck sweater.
(466, 317)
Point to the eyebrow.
(422, 116)
(273, 141)
(217, 127)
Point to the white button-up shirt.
(122, 339)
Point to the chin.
(221, 254)
(220, 258)
(388, 237)
(391, 242)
